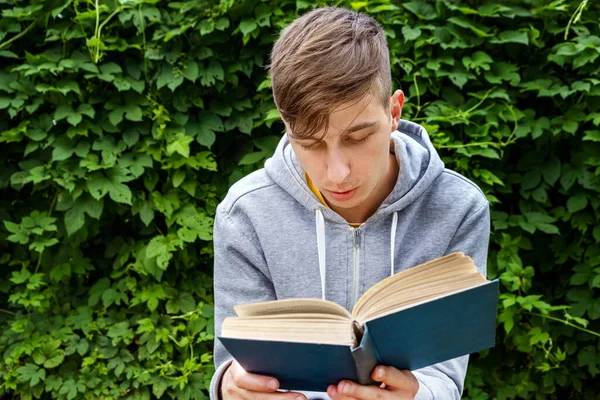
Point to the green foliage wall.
(123, 123)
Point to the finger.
(273, 396)
(252, 382)
(395, 378)
(333, 393)
(352, 389)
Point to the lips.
(342, 196)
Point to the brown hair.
(328, 57)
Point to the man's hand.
(237, 384)
(395, 384)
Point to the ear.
(396, 104)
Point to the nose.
(338, 167)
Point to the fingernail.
(272, 384)
(300, 398)
(379, 373)
(345, 388)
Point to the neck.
(362, 212)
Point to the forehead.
(367, 109)
(358, 113)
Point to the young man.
(351, 195)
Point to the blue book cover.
(428, 333)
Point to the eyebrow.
(361, 126)
(354, 128)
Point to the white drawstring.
(393, 241)
(321, 247)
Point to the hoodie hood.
(419, 165)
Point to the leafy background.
(124, 122)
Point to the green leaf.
(222, 24)
(593, 136)
(408, 33)
(577, 203)
(183, 303)
(551, 171)
(478, 60)
(168, 78)
(60, 271)
(206, 160)
(146, 213)
(131, 137)
(159, 387)
(66, 111)
(178, 177)
(248, 26)
(205, 128)
(465, 23)
(488, 153)
(252, 158)
(31, 373)
(133, 112)
(421, 9)
(206, 27)
(20, 277)
(83, 347)
(596, 233)
(120, 331)
(151, 295)
(55, 360)
(180, 145)
(70, 388)
(63, 149)
(191, 71)
(579, 278)
(99, 185)
(512, 37)
(212, 73)
(245, 124)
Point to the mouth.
(342, 196)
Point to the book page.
(402, 289)
(422, 270)
(298, 317)
(420, 295)
(437, 278)
(291, 306)
(290, 330)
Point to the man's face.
(348, 164)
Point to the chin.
(352, 203)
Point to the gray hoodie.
(273, 239)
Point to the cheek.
(310, 163)
(371, 159)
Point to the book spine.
(365, 358)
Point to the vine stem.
(575, 17)
(564, 322)
(7, 312)
(418, 95)
(96, 32)
(456, 146)
(39, 261)
(16, 37)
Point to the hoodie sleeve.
(445, 381)
(240, 276)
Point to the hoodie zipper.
(356, 264)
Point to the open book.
(426, 314)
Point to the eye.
(310, 146)
(358, 141)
